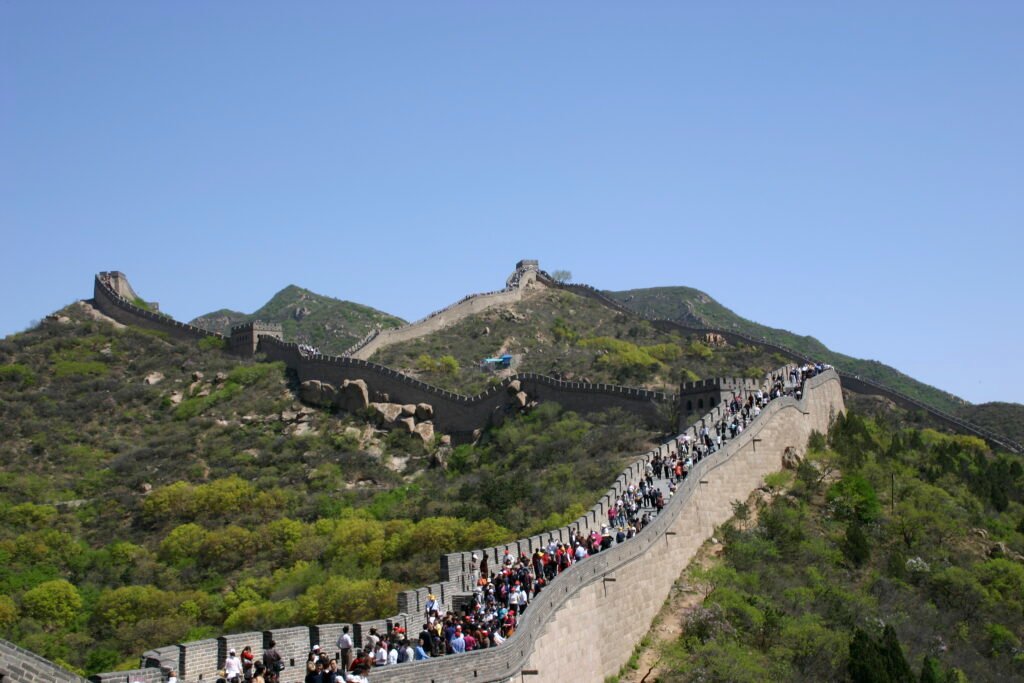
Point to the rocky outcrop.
(791, 459)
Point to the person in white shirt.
(233, 667)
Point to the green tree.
(856, 547)
(561, 275)
(853, 498)
(931, 672)
(8, 612)
(55, 603)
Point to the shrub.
(213, 343)
(80, 368)
(17, 374)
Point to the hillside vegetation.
(840, 580)
(688, 305)
(306, 317)
(564, 335)
(155, 491)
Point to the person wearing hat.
(432, 604)
(233, 667)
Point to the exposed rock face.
(424, 411)
(514, 387)
(425, 430)
(153, 378)
(521, 399)
(407, 424)
(409, 409)
(386, 413)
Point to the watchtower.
(525, 273)
(245, 338)
(697, 398)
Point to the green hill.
(692, 306)
(330, 324)
(562, 334)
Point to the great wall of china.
(635, 576)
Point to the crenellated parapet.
(109, 300)
(458, 414)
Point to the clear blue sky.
(850, 171)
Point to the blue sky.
(854, 172)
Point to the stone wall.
(18, 665)
(467, 306)
(584, 626)
(200, 660)
(457, 414)
(113, 305)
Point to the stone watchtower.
(525, 273)
(245, 338)
(697, 398)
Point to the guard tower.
(245, 338)
(697, 398)
(525, 274)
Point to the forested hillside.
(889, 555)
(155, 491)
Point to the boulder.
(311, 391)
(425, 430)
(289, 416)
(446, 440)
(385, 412)
(153, 378)
(409, 409)
(791, 459)
(176, 398)
(328, 394)
(197, 375)
(407, 424)
(353, 395)
(424, 411)
(514, 387)
(999, 549)
(521, 399)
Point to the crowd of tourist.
(502, 594)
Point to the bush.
(17, 374)
(213, 343)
